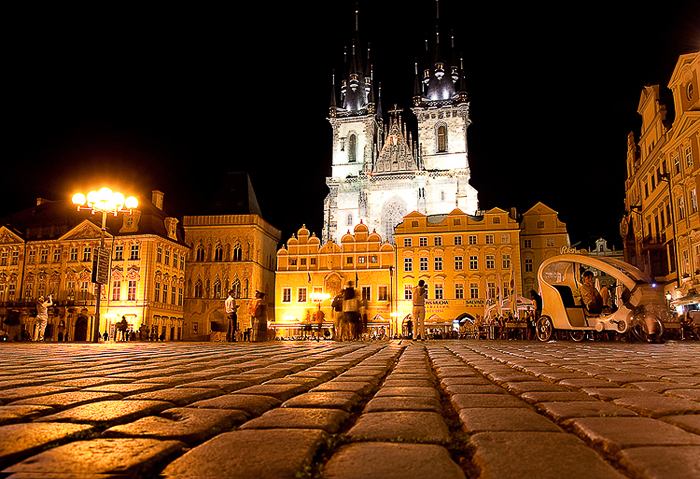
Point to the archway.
(81, 327)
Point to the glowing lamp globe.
(79, 199)
(131, 202)
(92, 198)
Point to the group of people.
(257, 308)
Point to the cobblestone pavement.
(436, 409)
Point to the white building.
(379, 173)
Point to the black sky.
(171, 98)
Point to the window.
(489, 239)
(497, 220)
(3, 258)
(287, 295)
(438, 263)
(689, 157)
(218, 253)
(237, 253)
(32, 257)
(14, 259)
(216, 291)
(439, 292)
(198, 289)
(352, 149)
(646, 190)
(292, 261)
(383, 293)
(167, 257)
(442, 138)
(408, 264)
(159, 255)
(373, 259)
(367, 293)
(456, 222)
(407, 291)
(437, 241)
(459, 263)
(473, 262)
(459, 291)
(472, 239)
(348, 260)
(361, 260)
(550, 242)
(312, 261)
(528, 265)
(57, 255)
(474, 290)
(693, 201)
(540, 224)
(681, 209)
(491, 289)
(676, 165)
(156, 292)
(131, 293)
(119, 252)
(175, 258)
(407, 242)
(301, 295)
(505, 238)
(134, 255)
(302, 261)
(527, 243)
(87, 254)
(200, 255)
(505, 261)
(458, 240)
(490, 261)
(179, 296)
(423, 241)
(44, 258)
(349, 220)
(165, 292)
(424, 264)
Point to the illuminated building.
(661, 225)
(305, 266)
(232, 248)
(379, 173)
(49, 249)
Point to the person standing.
(420, 293)
(258, 320)
(231, 312)
(351, 312)
(42, 316)
(532, 319)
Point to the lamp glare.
(79, 199)
(131, 202)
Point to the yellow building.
(49, 249)
(462, 258)
(661, 225)
(542, 235)
(232, 248)
(304, 266)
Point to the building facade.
(305, 266)
(49, 249)
(464, 259)
(542, 236)
(379, 172)
(661, 225)
(233, 248)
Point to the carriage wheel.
(641, 332)
(577, 335)
(545, 329)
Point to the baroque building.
(232, 248)
(661, 224)
(305, 266)
(49, 249)
(379, 172)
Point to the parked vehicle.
(639, 305)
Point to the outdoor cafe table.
(516, 328)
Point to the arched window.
(217, 289)
(442, 138)
(198, 289)
(218, 253)
(200, 253)
(237, 253)
(352, 149)
(236, 287)
(349, 222)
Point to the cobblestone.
(444, 409)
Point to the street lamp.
(107, 202)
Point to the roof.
(235, 196)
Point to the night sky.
(172, 98)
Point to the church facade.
(380, 173)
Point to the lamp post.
(106, 202)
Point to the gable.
(9, 237)
(85, 230)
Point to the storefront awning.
(691, 298)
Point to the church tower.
(441, 107)
(379, 172)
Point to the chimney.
(157, 199)
(41, 201)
